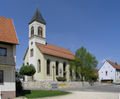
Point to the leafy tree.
(27, 70)
(84, 63)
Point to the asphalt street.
(101, 88)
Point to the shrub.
(61, 78)
(27, 70)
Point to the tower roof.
(37, 17)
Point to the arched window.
(40, 31)
(31, 52)
(57, 63)
(27, 63)
(32, 31)
(48, 67)
(64, 69)
(106, 73)
(39, 65)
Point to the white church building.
(50, 61)
(109, 71)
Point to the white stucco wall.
(9, 78)
(36, 24)
(53, 60)
(111, 72)
(117, 73)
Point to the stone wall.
(50, 85)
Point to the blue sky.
(94, 24)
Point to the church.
(50, 61)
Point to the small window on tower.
(32, 31)
(31, 52)
(40, 32)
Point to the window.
(48, 67)
(3, 52)
(117, 73)
(57, 63)
(32, 31)
(31, 43)
(40, 31)
(1, 76)
(27, 63)
(39, 65)
(70, 73)
(31, 52)
(64, 69)
(106, 73)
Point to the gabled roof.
(37, 17)
(53, 50)
(7, 31)
(115, 65)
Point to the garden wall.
(54, 85)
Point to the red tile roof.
(7, 31)
(53, 50)
(115, 65)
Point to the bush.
(27, 70)
(61, 78)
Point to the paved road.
(87, 95)
(93, 92)
(101, 88)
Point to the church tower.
(37, 34)
(37, 28)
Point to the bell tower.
(37, 29)
(37, 34)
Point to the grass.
(43, 93)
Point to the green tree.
(84, 63)
(27, 70)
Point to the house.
(8, 42)
(50, 61)
(109, 71)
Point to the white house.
(50, 61)
(8, 42)
(109, 71)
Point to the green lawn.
(43, 93)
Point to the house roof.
(37, 17)
(53, 50)
(115, 65)
(7, 31)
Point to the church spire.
(37, 17)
